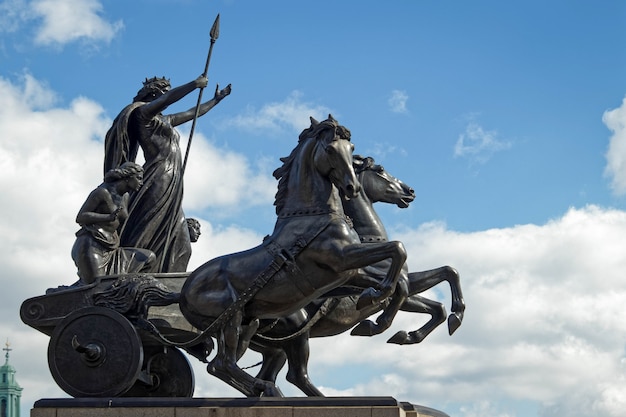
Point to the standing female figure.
(97, 250)
(156, 219)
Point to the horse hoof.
(364, 328)
(267, 389)
(273, 391)
(454, 322)
(400, 338)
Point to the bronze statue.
(97, 250)
(287, 339)
(319, 274)
(156, 220)
(312, 250)
(326, 268)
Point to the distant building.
(10, 391)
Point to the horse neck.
(365, 220)
(308, 188)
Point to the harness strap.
(298, 278)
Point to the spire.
(7, 349)
(10, 390)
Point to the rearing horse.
(288, 338)
(312, 250)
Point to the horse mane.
(362, 163)
(312, 132)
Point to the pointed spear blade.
(215, 29)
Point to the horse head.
(333, 155)
(378, 185)
(317, 167)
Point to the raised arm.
(185, 116)
(158, 105)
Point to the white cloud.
(65, 21)
(218, 178)
(12, 14)
(615, 169)
(397, 101)
(483, 408)
(292, 114)
(478, 144)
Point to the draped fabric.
(118, 146)
(96, 252)
(156, 220)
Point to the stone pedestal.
(231, 407)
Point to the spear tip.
(215, 29)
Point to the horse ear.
(357, 162)
(331, 118)
(313, 121)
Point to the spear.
(215, 33)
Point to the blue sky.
(507, 118)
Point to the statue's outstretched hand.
(220, 94)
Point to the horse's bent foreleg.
(419, 304)
(384, 320)
(360, 255)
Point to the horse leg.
(297, 350)
(224, 365)
(246, 334)
(274, 359)
(361, 255)
(384, 320)
(419, 304)
(424, 280)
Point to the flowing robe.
(156, 220)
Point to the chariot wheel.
(167, 373)
(95, 352)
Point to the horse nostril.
(351, 190)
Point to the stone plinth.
(231, 407)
